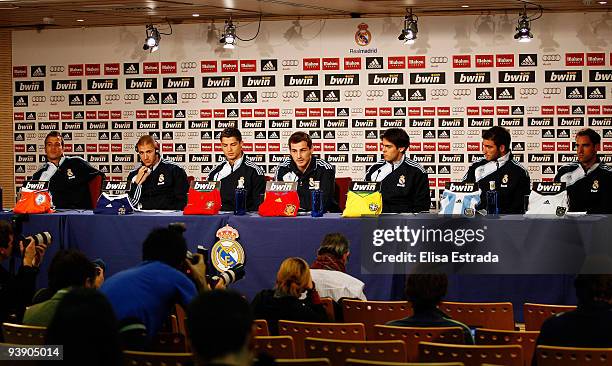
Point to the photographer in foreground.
(144, 296)
(16, 290)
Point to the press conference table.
(269, 240)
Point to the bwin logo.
(367, 187)
(461, 187)
(204, 186)
(548, 187)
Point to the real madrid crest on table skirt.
(227, 252)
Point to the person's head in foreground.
(85, 324)
(220, 326)
(425, 291)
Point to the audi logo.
(210, 95)
(356, 110)
(128, 134)
(518, 132)
(533, 108)
(438, 59)
(192, 113)
(41, 135)
(458, 109)
(180, 135)
(343, 134)
(462, 92)
(57, 98)
(290, 63)
(287, 112)
(56, 68)
(189, 95)
(39, 99)
(551, 91)
(269, 95)
(352, 93)
(290, 94)
(551, 57)
(533, 145)
(374, 93)
(439, 92)
(533, 132)
(115, 97)
(42, 114)
(126, 96)
(528, 91)
(128, 113)
(188, 65)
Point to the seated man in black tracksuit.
(238, 170)
(68, 177)
(306, 170)
(588, 181)
(511, 179)
(158, 184)
(404, 183)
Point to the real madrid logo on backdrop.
(363, 37)
(227, 252)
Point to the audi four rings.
(549, 91)
(458, 109)
(189, 95)
(210, 95)
(438, 59)
(374, 93)
(352, 93)
(269, 95)
(439, 92)
(188, 65)
(528, 91)
(290, 63)
(57, 98)
(551, 57)
(39, 99)
(462, 92)
(291, 94)
(114, 97)
(56, 68)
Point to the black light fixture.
(229, 35)
(409, 33)
(152, 38)
(523, 27)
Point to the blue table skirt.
(267, 241)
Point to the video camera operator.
(16, 290)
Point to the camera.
(234, 274)
(39, 238)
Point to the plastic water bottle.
(492, 199)
(240, 199)
(316, 200)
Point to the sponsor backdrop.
(342, 81)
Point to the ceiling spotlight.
(409, 33)
(229, 35)
(152, 39)
(523, 28)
